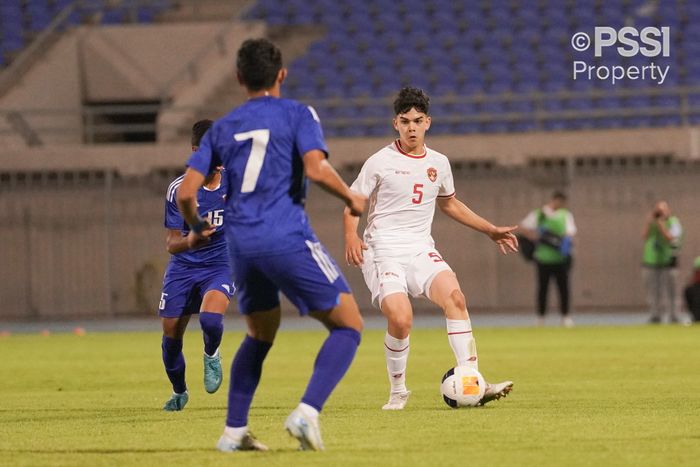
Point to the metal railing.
(537, 99)
(95, 119)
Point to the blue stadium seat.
(637, 102)
(495, 127)
(59, 5)
(608, 102)
(114, 16)
(466, 128)
(523, 126)
(666, 102)
(666, 121)
(145, 15)
(486, 48)
(555, 125)
(526, 107)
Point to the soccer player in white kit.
(404, 181)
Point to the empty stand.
(22, 20)
(507, 62)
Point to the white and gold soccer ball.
(462, 386)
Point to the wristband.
(199, 226)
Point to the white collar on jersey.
(397, 143)
(212, 189)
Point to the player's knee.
(263, 332)
(458, 300)
(265, 335)
(358, 324)
(402, 323)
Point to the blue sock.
(174, 363)
(332, 361)
(245, 375)
(213, 328)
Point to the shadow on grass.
(121, 414)
(133, 451)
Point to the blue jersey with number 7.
(261, 144)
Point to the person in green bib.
(552, 229)
(662, 239)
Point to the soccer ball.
(462, 386)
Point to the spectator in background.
(692, 292)
(551, 228)
(662, 240)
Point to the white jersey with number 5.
(402, 189)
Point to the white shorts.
(411, 274)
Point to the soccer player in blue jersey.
(197, 280)
(269, 146)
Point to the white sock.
(236, 433)
(215, 353)
(308, 410)
(396, 352)
(459, 333)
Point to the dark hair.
(198, 130)
(258, 63)
(411, 98)
(559, 195)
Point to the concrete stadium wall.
(92, 243)
(53, 85)
(182, 62)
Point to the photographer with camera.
(551, 228)
(662, 240)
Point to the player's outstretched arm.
(320, 171)
(503, 236)
(353, 243)
(187, 204)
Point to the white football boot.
(397, 401)
(496, 391)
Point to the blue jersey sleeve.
(309, 134)
(205, 159)
(173, 218)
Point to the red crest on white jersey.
(432, 174)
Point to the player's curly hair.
(258, 63)
(198, 130)
(410, 97)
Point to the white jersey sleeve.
(367, 180)
(447, 185)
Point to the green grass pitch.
(585, 396)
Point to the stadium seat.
(114, 16)
(490, 48)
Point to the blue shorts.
(309, 278)
(185, 287)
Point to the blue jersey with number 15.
(211, 206)
(261, 145)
